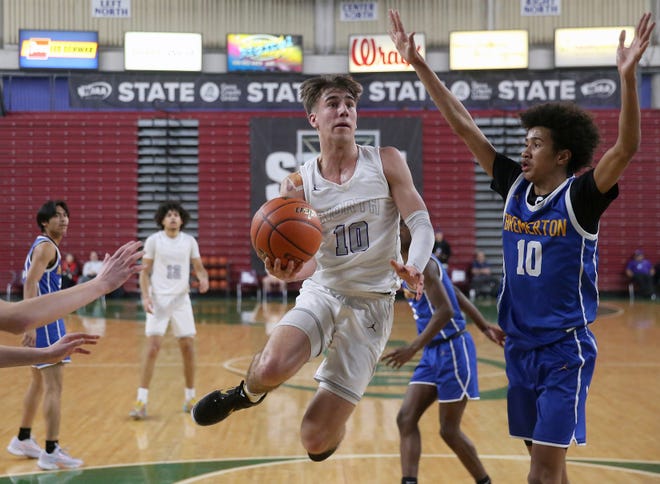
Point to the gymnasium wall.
(89, 159)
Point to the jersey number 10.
(358, 238)
(529, 258)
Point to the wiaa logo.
(94, 91)
(600, 88)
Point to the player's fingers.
(268, 264)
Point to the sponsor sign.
(488, 49)
(278, 146)
(477, 90)
(264, 52)
(376, 53)
(58, 49)
(162, 51)
(589, 47)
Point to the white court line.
(525, 458)
(296, 459)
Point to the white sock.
(143, 395)
(189, 393)
(253, 397)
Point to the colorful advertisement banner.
(58, 49)
(264, 53)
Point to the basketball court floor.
(261, 445)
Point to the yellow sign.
(39, 48)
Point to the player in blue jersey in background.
(447, 370)
(550, 232)
(42, 275)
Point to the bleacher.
(90, 160)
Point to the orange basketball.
(286, 228)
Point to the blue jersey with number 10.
(550, 268)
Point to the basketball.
(286, 228)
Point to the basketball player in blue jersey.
(345, 306)
(550, 232)
(446, 372)
(42, 275)
(21, 316)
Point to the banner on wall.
(278, 146)
(264, 53)
(589, 88)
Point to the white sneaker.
(27, 448)
(139, 411)
(59, 459)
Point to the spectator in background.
(441, 248)
(640, 272)
(70, 271)
(482, 280)
(91, 267)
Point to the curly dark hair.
(571, 128)
(168, 205)
(48, 210)
(312, 88)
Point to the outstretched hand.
(121, 265)
(414, 279)
(67, 345)
(404, 43)
(398, 357)
(627, 58)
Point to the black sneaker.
(217, 406)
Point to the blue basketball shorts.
(47, 336)
(452, 367)
(548, 388)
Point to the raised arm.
(615, 160)
(450, 107)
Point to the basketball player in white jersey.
(165, 290)
(345, 306)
